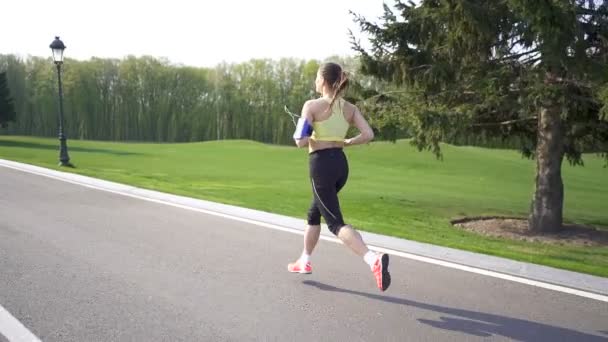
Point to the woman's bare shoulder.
(349, 106)
(317, 102)
(316, 105)
(349, 110)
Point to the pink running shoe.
(296, 267)
(380, 269)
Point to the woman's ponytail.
(339, 87)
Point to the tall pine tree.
(527, 70)
(7, 108)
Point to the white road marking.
(13, 330)
(443, 263)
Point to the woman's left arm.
(302, 139)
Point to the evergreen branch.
(504, 123)
(409, 91)
(519, 55)
(391, 92)
(423, 66)
(531, 60)
(587, 11)
(571, 82)
(515, 43)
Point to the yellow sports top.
(333, 128)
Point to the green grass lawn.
(392, 189)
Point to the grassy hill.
(392, 189)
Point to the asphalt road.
(78, 264)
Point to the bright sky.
(195, 32)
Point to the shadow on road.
(477, 323)
(10, 143)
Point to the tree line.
(150, 99)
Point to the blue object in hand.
(303, 129)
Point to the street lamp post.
(57, 47)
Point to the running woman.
(323, 127)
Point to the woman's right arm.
(366, 132)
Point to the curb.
(503, 268)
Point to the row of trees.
(149, 99)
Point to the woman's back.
(330, 126)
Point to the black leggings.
(328, 174)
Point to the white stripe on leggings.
(319, 197)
